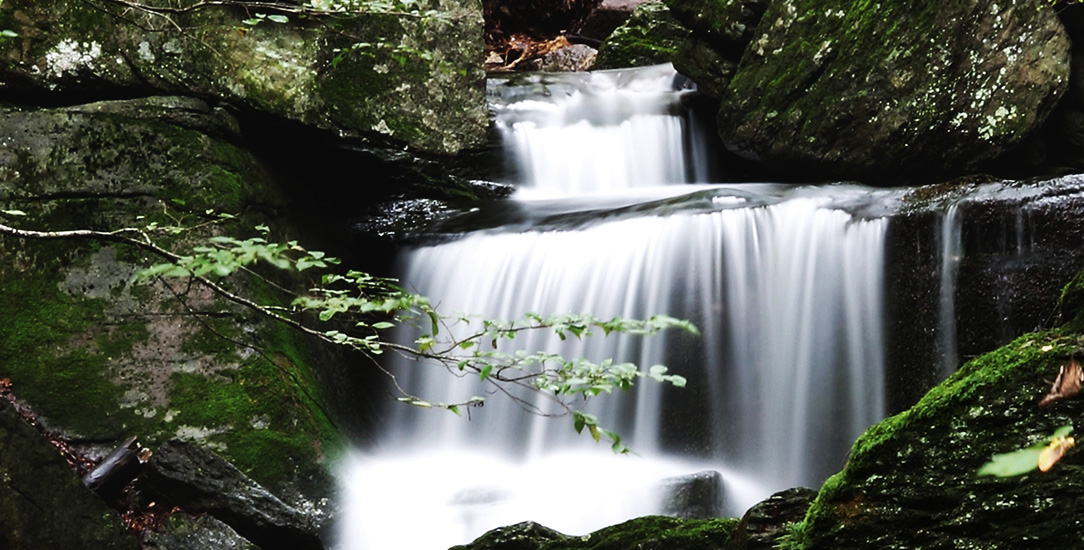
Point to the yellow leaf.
(1054, 451)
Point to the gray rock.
(607, 16)
(727, 24)
(650, 36)
(183, 532)
(413, 79)
(577, 57)
(187, 475)
(694, 496)
(889, 91)
(43, 504)
(767, 521)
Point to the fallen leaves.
(1067, 384)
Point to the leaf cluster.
(356, 309)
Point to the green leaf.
(14, 212)
(383, 325)
(486, 370)
(1014, 463)
(279, 18)
(1063, 431)
(8, 33)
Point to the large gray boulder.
(413, 78)
(893, 89)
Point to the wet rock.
(646, 533)
(763, 526)
(698, 495)
(414, 80)
(198, 481)
(577, 57)
(911, 481)
(650, 36)
(184, 532)
(608, 16)
(1019, 246)
(43, 504)
(892, 92)
(726, 24)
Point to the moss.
(1071, 302)
(655, 533)
(650, 36)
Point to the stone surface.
(413, 79)
(767, 522)
(101, 358)
(198, 481)
(911, 481)
(43, 504)
(727, 24)
(1020, 244)
(698, 495)
(607, 16)
(650, 36)
(183, 532)
(577, 57)
(646, 533)
(891, 91)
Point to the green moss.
(655, 533)
(650, 36)
(1071, 302)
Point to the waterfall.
(784, 283)
(951, 252)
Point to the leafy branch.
(355, 310)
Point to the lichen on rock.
(884, 91)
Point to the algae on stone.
(911, 480)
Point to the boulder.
(390, 77)
(650, 36)
(577, 57)
(913, 480)
(646, 533)
(890, 92)
(765, 524)
(198, 481)
(184, 532)
(43, 504)
(100, 357)
(727, 25)
(698, 495)
(607, 16)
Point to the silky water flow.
(614, 217)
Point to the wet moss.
(1071, 302)
(650, 36)
(645, 533)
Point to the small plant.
(1041, 456)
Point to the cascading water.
(784, 283)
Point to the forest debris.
(1054, 451)
(1066, 385)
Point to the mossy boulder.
(388, 76)
(650, 36)
(43, 504)
(893, 91)
(101, 358)
(912, 480)
(646, 533)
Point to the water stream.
(614, 217)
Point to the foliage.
(355, 310)
(1025, 460)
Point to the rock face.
(650, 36)
(698, 495)
(912, 482)
(646, 533)
(43, 504)
(387, 77)
(766, 523)
(862, 90)
(101, 358)
(200, 482)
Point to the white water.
(784, 286)
(951, 254)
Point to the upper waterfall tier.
(584, 133)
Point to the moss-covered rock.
(101, 358)
(912, 482)
(43, 504)
(649, 37)
(385, 75)
(889, 90)
(646, 533)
